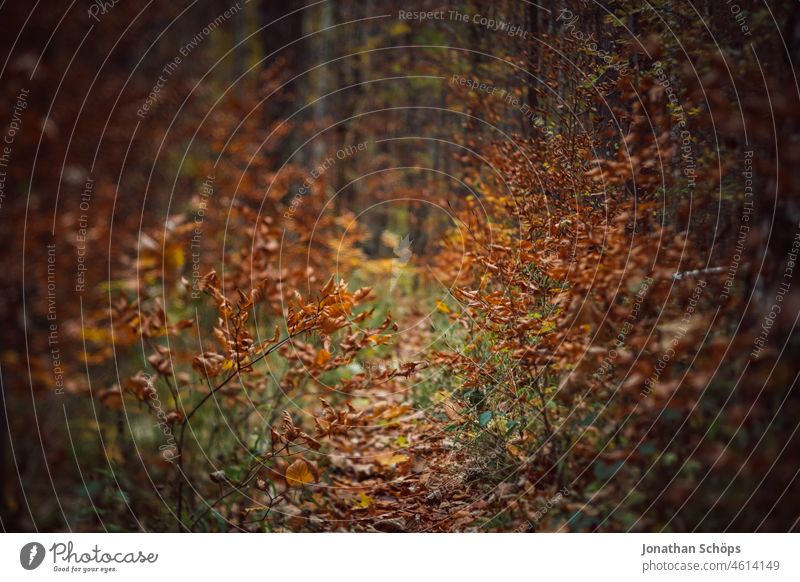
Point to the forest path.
(400, 474)
(403, 472)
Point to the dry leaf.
(299, 474)
(391, 459)
(323, 357)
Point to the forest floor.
(405, 472)
(404, 475)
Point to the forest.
(389, 266)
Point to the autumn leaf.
(363, 501)
(299, 474)
(395, 411)
(323, 357)
(391, 459)
(112, 397)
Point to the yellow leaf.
(399, 29)
(299, 474)
(175, 257)
(390, 460)
(363, 501)
(442, 306)
(96, 334)
(498, 425)
(440, 396)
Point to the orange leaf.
(323, 357)
(299, 474)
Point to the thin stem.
(239, 486)
(213, 391)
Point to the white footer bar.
(400, 557)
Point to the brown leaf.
(299, 474)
